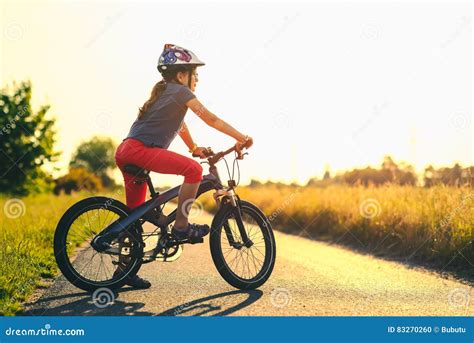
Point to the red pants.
(132, 151)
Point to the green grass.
(26, 245)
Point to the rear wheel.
(79, 262)
(243, 267)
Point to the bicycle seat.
(136, 170)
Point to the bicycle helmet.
(174, 56)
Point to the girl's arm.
(188, 140)
(186, 136)
(213, 121)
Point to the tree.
(97, 156)
(455, 176)
(255, 183)
(428, 176)
(26, 142)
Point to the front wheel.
(241, 266)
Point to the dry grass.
(433, 226)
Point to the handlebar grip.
(246, 145)
(207, 152)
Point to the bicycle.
(241, 236)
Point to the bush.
(76, 180)
(97, 156)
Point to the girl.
(159, 120)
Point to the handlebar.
(212, 157)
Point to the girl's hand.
(248, 142)
(245, 144)
(199, 152)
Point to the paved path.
(310, 278)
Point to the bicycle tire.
(224, 213)
(60, 249)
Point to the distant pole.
(293, 164)
(413, 156)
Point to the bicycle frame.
(210, 181)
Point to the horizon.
(376, 89)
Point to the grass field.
(26, 244)
(423, 225)
(433, 226)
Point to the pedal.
(191, 241)
(196, 240)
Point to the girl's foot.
(138, 282)
(194, 233)
(135, 281)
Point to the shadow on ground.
(204, 305)
(84, 305)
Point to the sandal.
(193, 234)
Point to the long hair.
(169, 75)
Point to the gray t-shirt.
(160, 123)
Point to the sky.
(322, 85)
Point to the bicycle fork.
(234, 202)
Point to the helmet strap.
(190, 73)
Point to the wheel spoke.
(253, 261)
(82, 257)
(246, 263)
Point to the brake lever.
(240, 154)
(207, 153)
